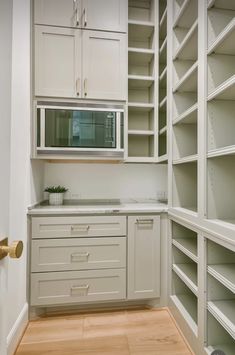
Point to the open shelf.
(140, 62)
(187, 117)
(144, 95)
(188, 159)
(224, 42)
(140, 81)
(221, 124)
(162, 144)
(141, 107)
(220, 23)
(185, 186)
(140, 119)
(141, 10)
(188, 81)
(141, 35)
(185, 268)
(225, 91)
(184, 140)
(183, 105)
(221, 192)
(221, 264)
(185, 13)
(141, 146)
(186, 46)
(141, 132)
(185, 240)
(221, 71)
(218, 337)
(185, 301)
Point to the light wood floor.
(132, 332)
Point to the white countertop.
(122, 207)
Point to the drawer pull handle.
(81, 287)
(75, 257)
(80, 229)
(144, 221)
(81, 290)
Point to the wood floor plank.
(132, 332)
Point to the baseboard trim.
(16, 332)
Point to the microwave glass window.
(80, 129)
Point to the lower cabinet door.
(54, 288)
(143, 257)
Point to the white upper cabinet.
(143, 257)
(56, 12)
(105, 15)
(57, 61)
(104, 65)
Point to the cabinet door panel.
(57, 61)
(143, 257)
(105, 15)
(55, 12)
(104, 65)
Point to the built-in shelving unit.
(221, 295)
(162, 82)
(185, 274)
(142, 121)
(185, 104)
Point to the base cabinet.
(143, 257)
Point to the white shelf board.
(163, 75)
(137, 50)
(163, 47)
(183, 303)
(187, 117)
(225, 274)
(140, 160)
(187, 40)
(224, 313)
(163, 18)
(163, 130)
(139, 106)
(221, 152)
(140, 81)
(140, 30)
(224, 43)
(228, 349)
(163, 158)
(190, 211)
(189, 159)
(181, 12)
(188, 274)
(141, 23)
(163, 102)
(225, 91)
(139, 56)
(210, 3)
(188, 246)
(188, 83)
(140, 132)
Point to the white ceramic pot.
(56, 199)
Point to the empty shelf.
(188, 246)
(189, 116)
(225, 91)
(188, 274)
(141, 132)
(187, 50)
(136, 106)
(138, 56)
(225, 274)
(163, 102)
(187, 306)
(163, 158)
(163, 130)
(224, 312)
(188, 83)
(225, 42)
(139, 81)
(221, 152)
(189, 159)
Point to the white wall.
(108, 180)
(20, 167)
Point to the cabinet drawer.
(73, 227)
(78, 254)
(77, 286)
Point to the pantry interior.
(165, 69)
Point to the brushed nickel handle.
(85, 87)
(80, 290)
(80, 229)
(76, 257)
(144, 220)
(78, 86)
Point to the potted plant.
(56, 194)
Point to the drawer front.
(78, 254)
(73, 227)
(77, 286)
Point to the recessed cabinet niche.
(79, 64)
(105, 15)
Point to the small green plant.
(55, 189)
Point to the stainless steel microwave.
(82, 130)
